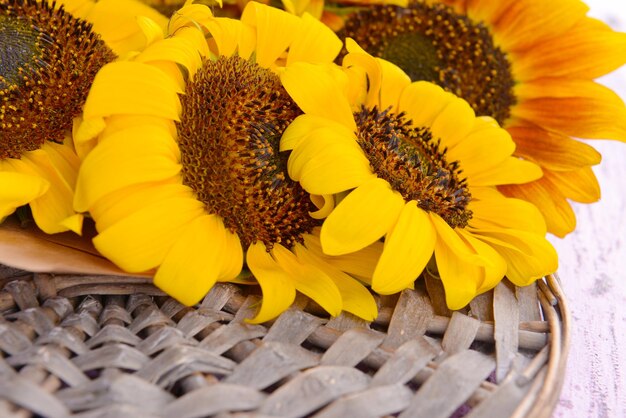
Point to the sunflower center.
(234, 113)
(48, 60)
(410, 159)
(431, 42)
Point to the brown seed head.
(234, 113)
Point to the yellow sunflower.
(530, 65)
(413, 164)
(49, 55)
(187, 177)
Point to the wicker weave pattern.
(77, 346)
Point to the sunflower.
(412, 164)
(187, 177)
(49, 55)
(530, 65)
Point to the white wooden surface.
(593, 272)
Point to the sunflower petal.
(136, 155)
(408, 248)
(460, 278)
(53, 207)
(319, 91)
(126, 87)
(529, 256)
(314, 42)
(579, 108)
(587, 51)
(304, 125)
(579, 185)
(413, 99)
(552, 150)
(511, 171)
(141, 241)
(310, 280)
(360, 263)
(275, 28)
(355, 298)
(492, 273)
(278, 289)
(19, 189)
(557, 212)
(506, 213)
(364, 216)
(193, 263)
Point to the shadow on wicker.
(77, 346)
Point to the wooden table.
(593, 272)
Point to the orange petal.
(558, 213)
(552, 150)
(579, 108)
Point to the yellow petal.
(529, 256)
(141, 241)
(506, 213)
(358, 58)
(276, 284)
(186, 48)
(137, 155)
(453, 242)
(74, 223)
(231, 36)
(116, 21)
(460, 278)
(416, 94)
(193, 263)
(19, 189)
(511, 171)
(232, 262)
(190, 15)
(304, 125)
(314, 42)
(394, 81)
(492, 273)
(360, 264)
(310, 280)
(453, 123)
(124, 202)
(53, 207)
(483, 148)
(355, 298)
(319, 90)
(328, 163)
(362, 218)
(325, 205)
(132, 88)
(275, 28)
(408, 248)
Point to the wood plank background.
(593, 272)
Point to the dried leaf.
(29, 249)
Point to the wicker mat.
(80, 346)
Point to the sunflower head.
(49, 59)
(189, 131)
(528, 64)
(413, 163)
(420, 174)
(234, 113)
(432, 42)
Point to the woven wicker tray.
(103, 346)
